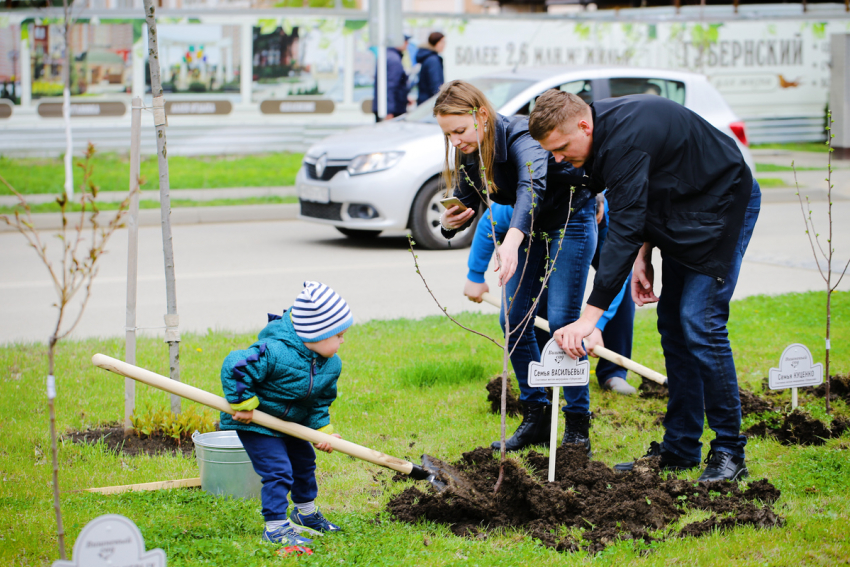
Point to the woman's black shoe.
(534, 429)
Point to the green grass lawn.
(770, 167)
(388, 400)
(151, 204)
(793, 146)
(112, 171)
(771, 182)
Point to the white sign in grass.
(796, 369)
(112, 541)
(556, 368)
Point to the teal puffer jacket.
(289, 380)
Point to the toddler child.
(290, 373)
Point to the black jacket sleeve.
(628, 190)
(469, 191)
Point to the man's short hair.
(555, 109)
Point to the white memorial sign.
(796, 369)
(556, 368)
(112, 541)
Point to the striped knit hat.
(319, 313)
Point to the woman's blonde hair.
(458, 98)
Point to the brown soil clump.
(839, 387)
(112, 435)
(494, 396)
(752, 403)
(652, 390)
(586, 495)
(800, 428)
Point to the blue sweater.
(282, 377)
(482, 250)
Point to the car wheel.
(425, 220)
(358, 234)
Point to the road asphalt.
(230, 274)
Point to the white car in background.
(387, 176)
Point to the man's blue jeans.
(692, 314)
(565, 295)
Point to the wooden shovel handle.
(260, 418)
(599, 351)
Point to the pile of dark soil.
(799, 428)
(602, 505)
(839, 387)
(652, 390)
(494, 396)
(752, 403)
(112, 435)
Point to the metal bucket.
(225, 466)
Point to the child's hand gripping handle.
(261, 418)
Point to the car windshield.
(498, 92)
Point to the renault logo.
(321, 164)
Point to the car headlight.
(370, 163)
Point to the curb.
(180, 216)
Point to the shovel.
(429, 470)
(599, 351)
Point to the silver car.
(387, 176)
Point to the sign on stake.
(114, 541)
(796, 370)
(556, 369)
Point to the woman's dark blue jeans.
(692, 314)
(565, 294)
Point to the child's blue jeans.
(285, 464)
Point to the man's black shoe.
(577, 430)
(669, 461)
(721, 465)
(534, 429)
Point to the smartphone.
(450, 202)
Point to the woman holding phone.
(522, 174)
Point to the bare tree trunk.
(66, 106)
(172, 333)
(132, 262)
(51, 395)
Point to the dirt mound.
(839, 387)
(586, 495)
(112, 435)
(494, 396)
(652, 390)
(799, 428)
(752, 403)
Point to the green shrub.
(197, 87)
(179, 426)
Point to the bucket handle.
(226, 462)
(195, 434)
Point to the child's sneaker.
(314, 523)
(285, 534)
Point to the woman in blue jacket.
(520, 173)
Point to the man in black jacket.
(676, 183)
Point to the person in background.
(430, 66)
(397, 88)
(616, 326)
